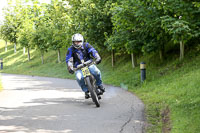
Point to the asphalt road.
(32, 104)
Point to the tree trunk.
(161, 55)
(113, 58)
(42, 57)
(59, 57)
(181, 50)
(15, 48)
(29, 57)
(24, 51)
(161, 52)
(6, 47)
(134, 60)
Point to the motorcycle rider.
(79, 51)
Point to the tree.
(41, 31)
(180, 30)
(3, 32)
(26, 29)
(12, 22)
(92, 20)
(58, 25)
(39, 40)
(180, 22)
(126, 31)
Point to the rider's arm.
(69, 60)
(94, 53)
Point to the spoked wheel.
(93, 94)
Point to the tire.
(92, 92)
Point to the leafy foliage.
(128, 26)
(91, 19)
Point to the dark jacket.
(86, 52)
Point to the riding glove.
(71, 71)
(98, 58)
(70, 66)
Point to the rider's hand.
(84, 64)
(97, 61)
(71, 71)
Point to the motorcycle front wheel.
(92, 92)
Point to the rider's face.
(77, 42)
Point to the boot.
(87, 95)
(101, 88)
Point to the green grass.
(18, 63)
(179, 90)
(170, 92)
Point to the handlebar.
(87, 63)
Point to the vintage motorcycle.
(90, 81)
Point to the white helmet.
(77, 38)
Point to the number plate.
(85, 71)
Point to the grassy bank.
(170, 93)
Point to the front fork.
(92, 81)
